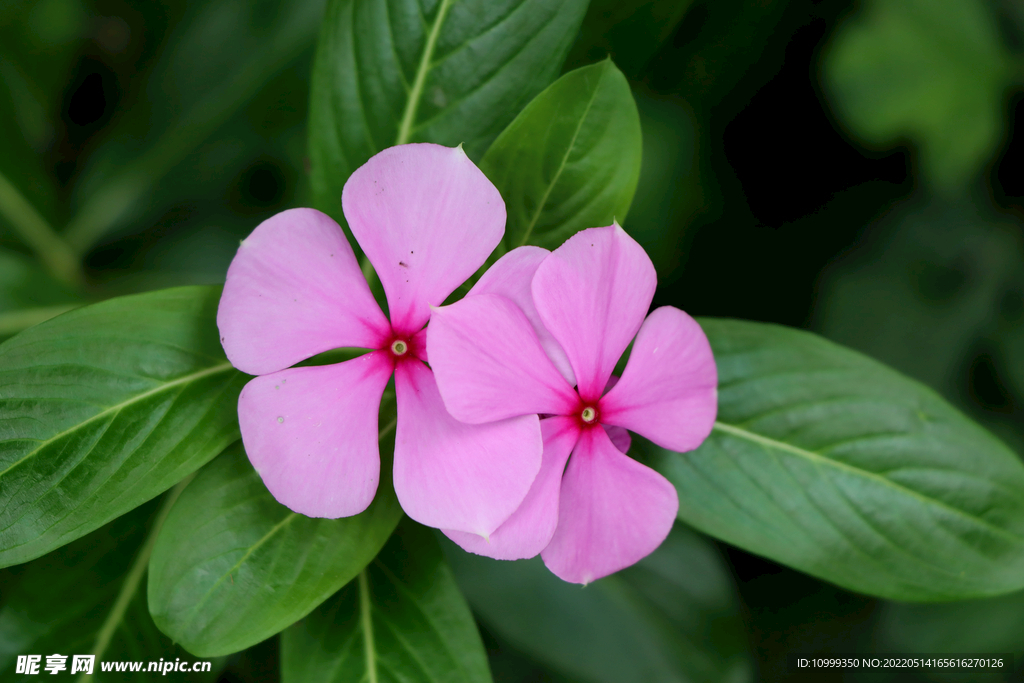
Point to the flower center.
(589, 415)
(399, 347)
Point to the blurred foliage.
(933, 71)
(852, 167)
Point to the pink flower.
(426, 218)
(536, 324)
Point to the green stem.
(58, 257)
(369, 651)
(13, 322)
(131, 582)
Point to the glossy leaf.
(672, 617)
(570, 160)
(931, 70)
(403, 619)
(233, 566)
(88, 598)
(105, 407)
(417, 71)
(834, 464)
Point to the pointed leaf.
(834, 464)
(403, 619)
(105, 407)
(672, 617)
(570, 160)
(415, 71)
(233, 566)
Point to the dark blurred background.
(853, 168)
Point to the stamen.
(588, 415)
(399, 347)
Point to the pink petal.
(592, 294)
(311, 433)
(511, 277)
(427, 218)
(530, 527)
(620, 437)
(613, 512)
(294, 290)
(489, 363)
(669, 389)
(452, 475)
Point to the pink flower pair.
(477, 463)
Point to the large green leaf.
(402, 620)
(87, 598)
(672, 617)
(105, 407)
(570, 160)
(931, 70)
(233, 566)
(426, 71)
(834, 464)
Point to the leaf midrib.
(117, 407)
(561, 166)
(412, 103)
(819, 459)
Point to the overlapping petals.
(426, 218)
(591, 296)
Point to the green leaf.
(930, 70)
(629, 31)
(233, 566)
(105, 407)
(402, 620)
(672, 617)
(834, 464)
(417, 71)
(85, 598)
(570, 160)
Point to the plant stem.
(131, 582)
(58, 257)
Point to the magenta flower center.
(589, 415)
(399, 347)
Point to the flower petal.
(592, 294)
(452, 475)
(669, 389)
(511, 277)
(613, 512)
(427, 218)
(529, 529)
(620, 437)
(311, 433)
(489, 364)
(294, 290)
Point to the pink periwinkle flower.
(539, 323)
(426, 218)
